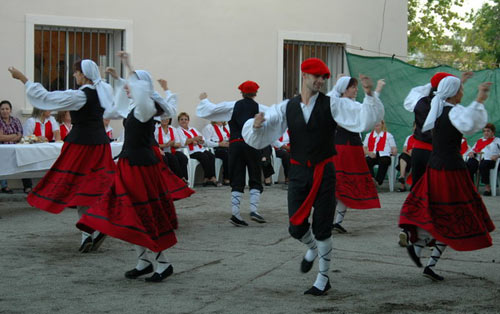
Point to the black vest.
(243, 110)
(345, 137)
(88, 127)
(421, 111)
(139, 142)
(314, 141)
(446, 143)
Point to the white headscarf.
(448, 87)
(145, 76)
(104, 90)
(340, 86)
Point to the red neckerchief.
(380, 144)
(218, 132)
(191, 146)
(48, 130)
(481, 144)
(464, 146)
(411, 142)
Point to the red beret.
(315, 66)
(249, 87)
(438, 77)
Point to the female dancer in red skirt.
(85, 168)
(138, 207)
(444, 204)
(354, 187)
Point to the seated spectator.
(64, 120)
(109, 129)
(11, 132)
(404, 161)
(267, 166)
(379, 145)
(216, 135)
(484, 155)
(194, 141)
(282, 148)
(169, 141)
(43, 125)
(464, 148)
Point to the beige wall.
(210, 45)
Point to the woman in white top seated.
(169, 141)
(379, 145)
(43, 125)
(217, 136)
(489, 147)
(64, 120)
(194, 141)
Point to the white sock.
(423, 237)
(254, 200)
(341, 209)
(142, 257)
(325, 254)
(235, 204)
(161, 262)
(85, 235)
(309, 240)
(436, 253)
(95, 234)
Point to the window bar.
(66, 61)
(58, 55)
(90, 46)
(41, 58)
(74, 55)
(50, 59)
(83, 44)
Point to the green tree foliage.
(435, 35)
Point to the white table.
(19, 161)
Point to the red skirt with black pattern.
(79, 177)
(354, 185)
(138, 208)
(447, 205)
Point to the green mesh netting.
(400, 77)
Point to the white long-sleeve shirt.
(166, 136)
(29, 125)
(183, 137)
(219, 112)
(389, 142)
(211, 137)
(349, 114)
(468, 120)
(492, 149)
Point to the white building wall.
(209, 45)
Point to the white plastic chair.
(494, 178)
(277, 164)
(391, 172)
(191, 166)
(218, 165)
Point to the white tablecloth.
(33, 160)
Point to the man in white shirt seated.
(379, 145)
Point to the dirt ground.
(219, 268)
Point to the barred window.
(297, 51)
(57, 48)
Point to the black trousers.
(223, 153)
(419, 160)
(207, 161)
(383, 164)
(177, 163)
(301, 180)
(285, 160)
(241, 158)
(484, 169)
(267, 166)
(406, 158)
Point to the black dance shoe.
(305, 265)
(316, 292)
(134, 273)
(96, 243)
(238, 223)
(429, 273)
(338, 227)
(86, 245)
(157, 277)
(256, 217)
(413, 255)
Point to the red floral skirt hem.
(447, 205)
(354, 183)
(80, 176)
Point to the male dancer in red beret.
(311, 118)
(242, 157)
